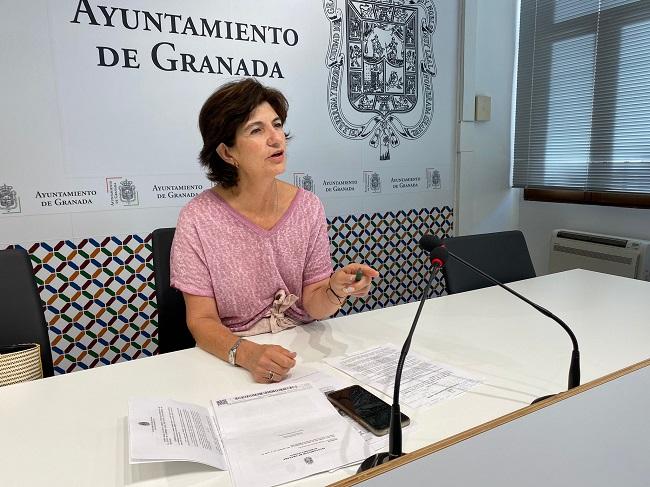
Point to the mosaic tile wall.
(388, 242)
(99, 296)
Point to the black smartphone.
(365, 408)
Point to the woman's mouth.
(277, 155)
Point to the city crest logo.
(383, 48)
(304, 181)
(122, 192)
(9, 200)
(372, 182)
(433, 178)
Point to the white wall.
(485, 201)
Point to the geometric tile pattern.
(99, 298)
(389, 243)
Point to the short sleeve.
(189, 271)
(318, 265)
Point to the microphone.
(438, 257)
(430, 242)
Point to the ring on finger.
(271, 375)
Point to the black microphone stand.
(395, 431)
(574, 368)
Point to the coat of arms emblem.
(304, 181)
(9, 201)
(372, 182)
(128, 193)
(433, 178)
(122, 191)
(308, 183)
(381, 53)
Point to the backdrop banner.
(103, 101)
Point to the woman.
(251, 255)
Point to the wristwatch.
(232, 353)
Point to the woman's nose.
(275, 137)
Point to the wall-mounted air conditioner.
(620, 256)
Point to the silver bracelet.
(232, 353)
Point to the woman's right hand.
(261, 360)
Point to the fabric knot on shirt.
(275, 320)
(281, 302)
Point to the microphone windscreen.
(439, 255)
(428, 242)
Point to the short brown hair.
(223, 113)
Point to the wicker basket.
(20, 363)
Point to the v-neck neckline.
(254, 226)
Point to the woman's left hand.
(344, 281)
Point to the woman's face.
(260, 144)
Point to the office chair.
(503, 255)
(173, 333)
(21, 314)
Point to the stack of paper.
(423, 382)
(267, 437)
(284, 433)
(165, 430)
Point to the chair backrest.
(173, 333)
(21, 313)
(503, 255)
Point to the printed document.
(327, 383)
(162, 430)
(284, 433)
(424, 382)
(319, 379)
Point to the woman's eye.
(255, 130)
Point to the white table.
(596, 435)
(71, 429)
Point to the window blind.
(582, 115)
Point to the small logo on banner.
(304, 181)
(387, 47)
(9, 200)
(372, 182)
(433, 178)
(122, 192)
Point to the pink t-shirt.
(217, 252)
